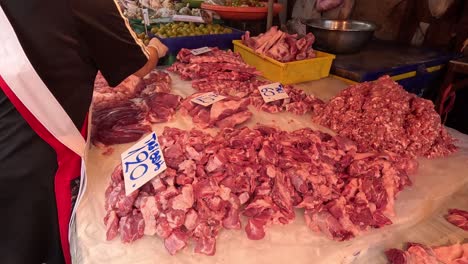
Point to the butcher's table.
(439, 184)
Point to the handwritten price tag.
(200, 51)
(208, 99)
(142, 162)
(272, 92)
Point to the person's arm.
(112, 45)
(156, 50)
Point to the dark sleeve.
(111, 42)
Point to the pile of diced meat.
(281, 46)
(382, 116)
(420, 254)
(125, 113)
(225, 73)
(263, 174)
(226, 113)
(458, 218)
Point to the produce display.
(244, 3)
(226, 73)
(184, 29)
(382, 116)
(458, 218)
(226, 113)
(263, 174)
(281, 46)
(417, 253)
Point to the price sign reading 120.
(272, 92)
(142, 162)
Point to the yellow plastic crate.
(289, 72)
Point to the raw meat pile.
(263, 174)
(226, 113)
(382, 116)
(458, 218)
(421, 254)
(125, 113)
(298, 103)
(281, 46)
(224, 72)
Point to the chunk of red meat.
(330, 226)
(176, 242)
(396, 256)
(150, 212)
(112, 225)
(205, 245)
(255, 229)
(131, 227)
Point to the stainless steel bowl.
(340, 36)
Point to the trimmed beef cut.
(161, 106)
(226, 113)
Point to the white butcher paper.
(439, 184)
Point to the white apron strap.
(23, 80)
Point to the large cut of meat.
(458, 218)
(226, 113)
(382, 116)
(225, 73)
(120, 123)
(281, 46)
(161, 106)
(156, 82)
(106, 96)
(263, 174)
(421, 254)
(124, 114)
(298, 102)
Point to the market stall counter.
(439, 184)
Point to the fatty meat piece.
(226, 113)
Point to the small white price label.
(200, 51)
(146, 16)
(184, 18)
(208, 99)
(272, 92)
(142, 162)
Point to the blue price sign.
(208, 99)
(272, 92)
(142, 162)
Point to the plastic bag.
(439, 7)
(305, 9)
(342, 11)
(296, 26)
(325, 5)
